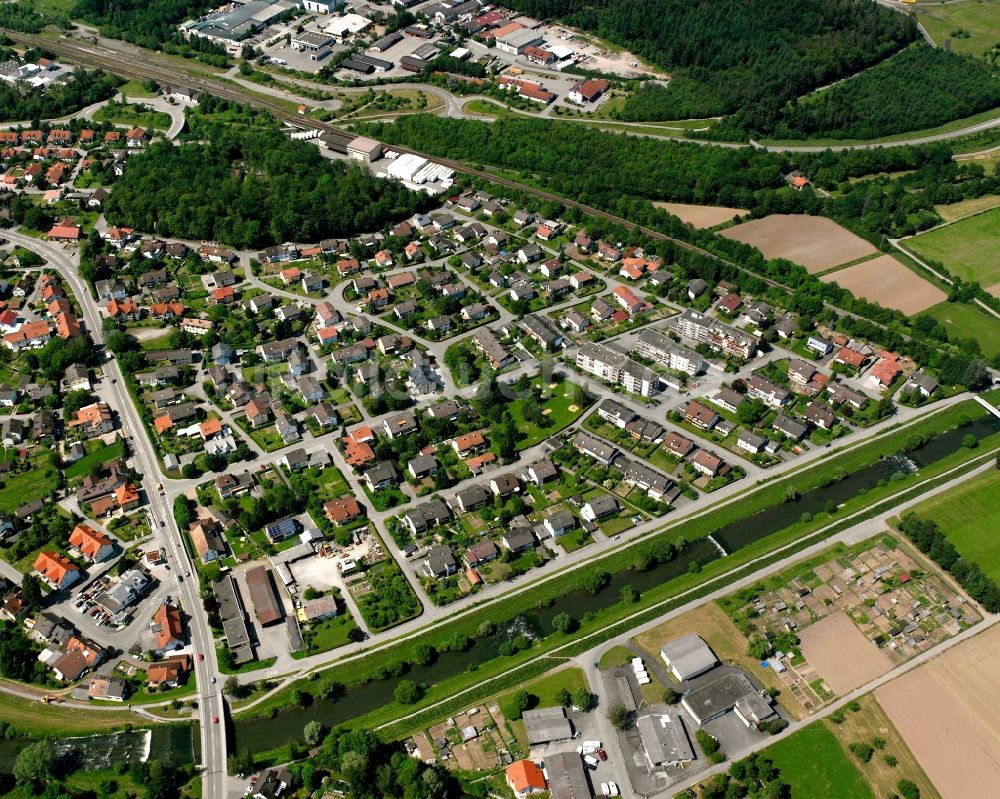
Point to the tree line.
(253, 187)
(929, 539)
(920, 87)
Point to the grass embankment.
(512, 670)
(59, 720)
(970, 517)
(969, 321)
(977, 24)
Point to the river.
(262, 734)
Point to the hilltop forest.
(737, 54)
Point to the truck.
(591, 761)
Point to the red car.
(201, 656)
(215, 719)
(602, 754)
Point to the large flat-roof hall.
(688, 656)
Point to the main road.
(211, 710)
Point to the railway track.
(114, 62)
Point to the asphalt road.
(211, 707)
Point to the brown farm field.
(729, 644)
(701, 216)
(815, 242)
(888, 282)
(948, 712)
(841, 654)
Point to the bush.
(407, 692)
(862, 751)
(908, 790)
(619, 716)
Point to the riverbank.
(537, 603)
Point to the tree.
(908, 790)
(563, 697)
(619, 715)
(183, 514)
(312, 733)
(35, 764)
(628, 595)
(563, 623)
(232, 686)
(751, 411)
(583, 699)
(519, 702)
(407, 692)
(31, 592)
(671, 697)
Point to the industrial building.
(266, 602)
(665, 739)
(566, 777)
(239, 22)
(547, 724)
(688, 656)
(723, 694)
(364, 149)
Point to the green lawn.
(559, 409)
(976, 21)
(814, 764)
(326, 635)
(967, 321)
(21, 487)
(969, 248)
(970, 516)
(96, 455)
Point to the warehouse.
(516, 41)
(357, 66)
(240, 22)
(266, 603)
(665, 740)
(547, 724)
(566, 777)
(348, 25)
(378, 64)
(688, 656)
(364, 149)
(721, 695)
(312, 40)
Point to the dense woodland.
(152, 24)
(251, 187)
(751, 54)
(593, 165)
(920, 87)
(23, 102)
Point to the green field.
(968, 321)
(970, 249)
(970, 516)
(813, 762)
(976, 23)
(132, 115)
(20, 487)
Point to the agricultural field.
(949, 212)
(701, 216)
(841, 654)
(834, 774)
(948, 713)
(888, 282)
(973, 26)
(967, 321)
(815, 242)
(970, 248)
(968, 515)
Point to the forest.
(752, 54)
(19, 101)
(252, 187)
(152, 24)
(591, 165)
(920, 87)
